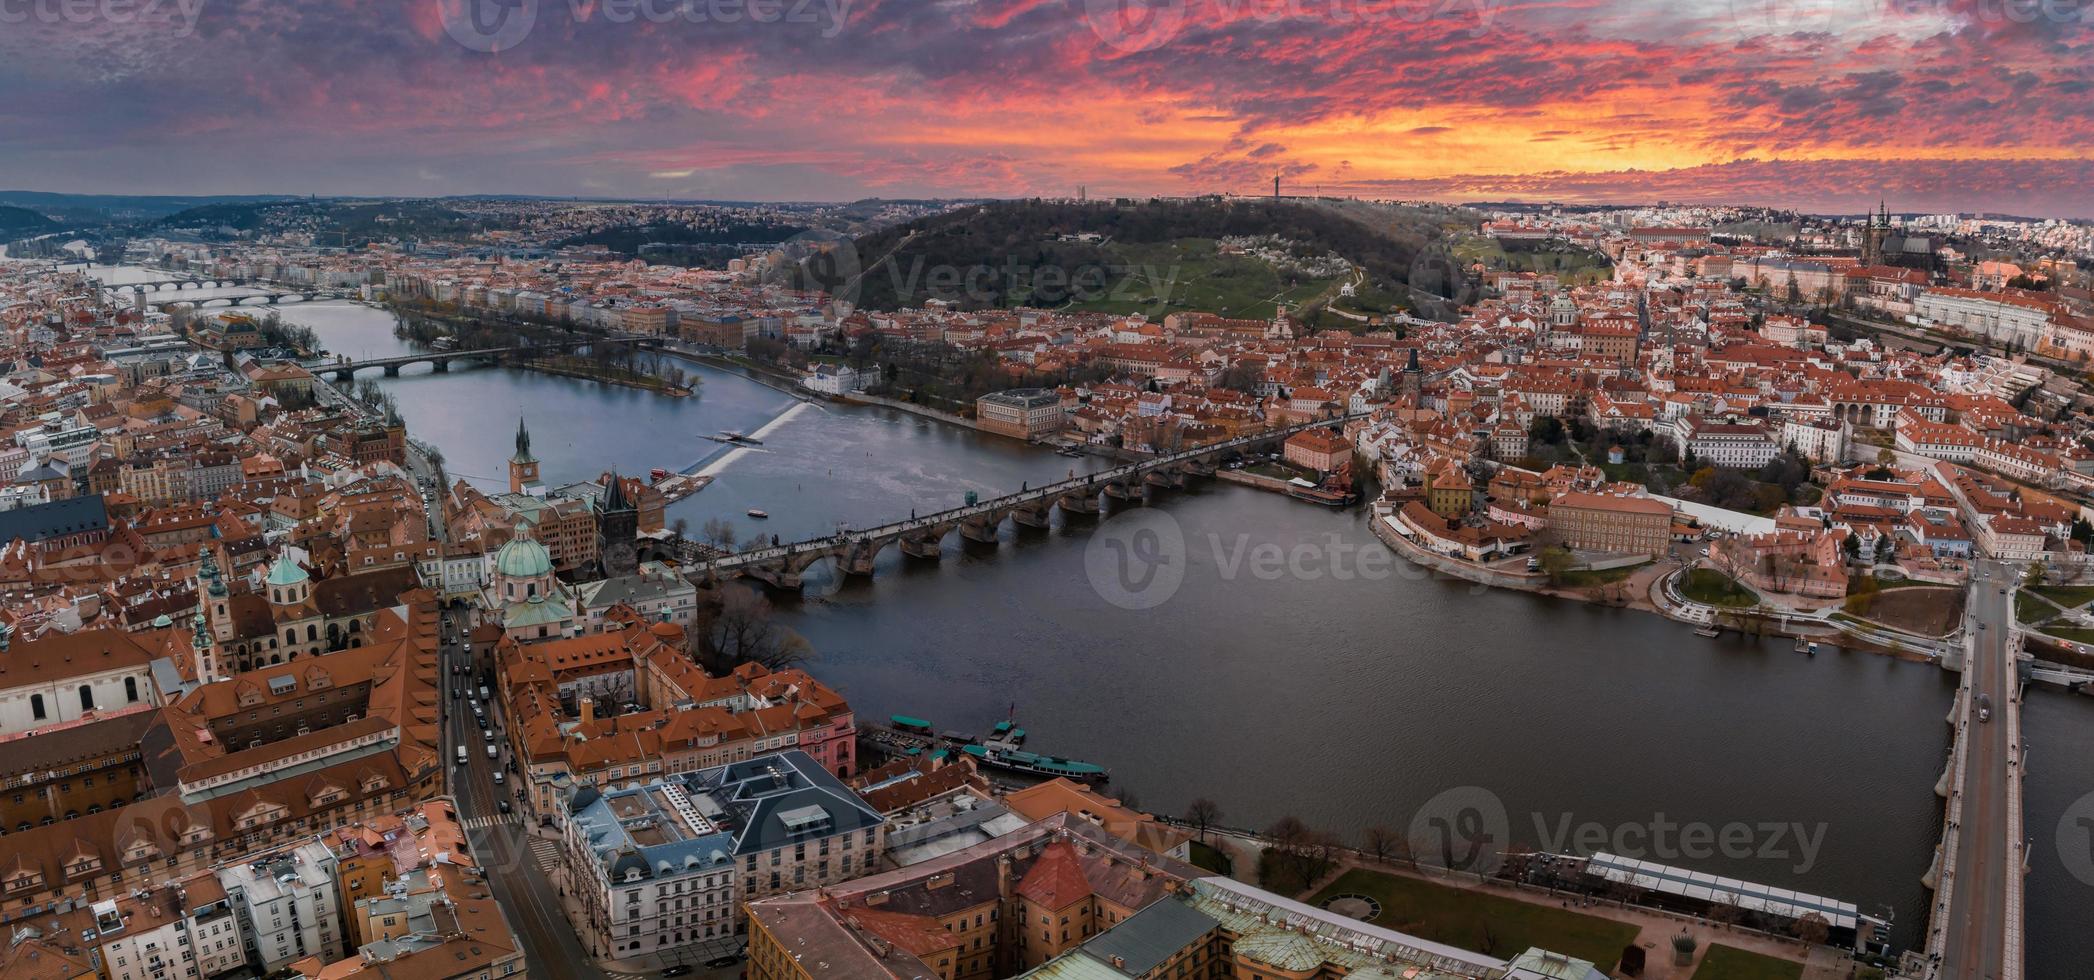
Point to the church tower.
(523, 467)
(617, 530)
(1878, 232)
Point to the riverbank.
(639, 381)
(1650, 589)
(924, 411)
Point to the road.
(509, 855)
(1985, 894)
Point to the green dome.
(523, 558)
(286, 572)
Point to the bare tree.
(744, 630)
(717, 533)
(1382, 843)
(680, 527)
(1202, 813)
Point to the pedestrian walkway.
(546, 853)
(491, 820)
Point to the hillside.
(15, 222)
(1155, 256)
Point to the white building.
(184, 931)
(670, 863)
(2003, 317)
(61, 677)
(287, 906)
(1732, 441)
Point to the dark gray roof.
(58, 518)
(1150, 936)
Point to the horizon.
(1476, 205)
(1810, 105)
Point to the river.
(1347, 692)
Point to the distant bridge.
(177, 285)
(853, 552)
(440, 361)
(253, 299)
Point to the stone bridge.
(854, 552)
(440, 361)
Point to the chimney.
(588, 706)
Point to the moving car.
(493, 751)
(461, 755)
(1984, 707)
(498, 777)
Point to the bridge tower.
(523, 467)
(617, 530)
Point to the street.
(1988, 860)
(510, 856)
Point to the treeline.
(628, 239)
(1010, 253)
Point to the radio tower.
(1275, 187)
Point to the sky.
(1821, 105)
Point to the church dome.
(523, 558)
(286, 572)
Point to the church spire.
(523, 442)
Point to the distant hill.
(1009, 253)
(19, 222)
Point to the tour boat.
(759, 515)
(1005, 756)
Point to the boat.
(1007, 756)
(1808, 648)
(914, 726)
(730, 435)
(759, 515)
(1335, 490)
(1709, 631)
(1070, 451)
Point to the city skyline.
(1944, 105)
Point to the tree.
(1556, 564)
(745, 630)
(1202, 813)
(1382, 843)
(1813, 929)
(2033, 578)
(680, 527)
(717, 533)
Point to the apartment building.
(670, 863)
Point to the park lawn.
(1193, 274)
(1586, 577)
(1731, 963)
(2077, 634)
(1205, 855)
(2067, 596)
(2029, 608)
(1481, 921)
(1711, 587)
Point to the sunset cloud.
(1953, 103)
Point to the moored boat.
(1004, 756)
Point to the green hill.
(1119, 256)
